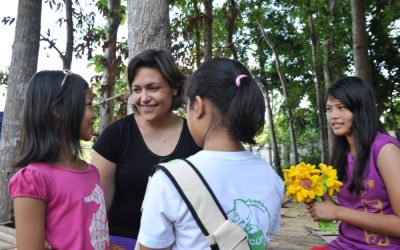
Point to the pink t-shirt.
(75, 206)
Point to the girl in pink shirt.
(58, 198)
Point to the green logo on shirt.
(242, 214)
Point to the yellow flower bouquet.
(305, 183)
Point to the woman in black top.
(128, 148)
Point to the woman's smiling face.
(151, 93)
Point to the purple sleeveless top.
(374, 200)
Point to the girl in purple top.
(368, 163)
(58, 198)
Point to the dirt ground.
(298, 230)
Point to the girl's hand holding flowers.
(306, 183)
(322, 211)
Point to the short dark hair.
(52, 113)
(357, 96)
(161, 60)
(242, 108)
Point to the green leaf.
(322, 225)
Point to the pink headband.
(237, 81)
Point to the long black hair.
(242, 108)
(53, 111)
(358, 97)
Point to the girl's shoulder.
(34, 170)
(30, 181)
(381, 139)
(385, 137)
(39, 167)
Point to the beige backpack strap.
(203, 204)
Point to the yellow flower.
(303, 182)
(329, 175)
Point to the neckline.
(243, 154)
(65, 168)
(136, 127)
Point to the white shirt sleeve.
(158, 216)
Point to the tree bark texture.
(360, 41)
(111, 72)
(232, 14)
(208, 21)
(69, 46)
(328, 77)
(148, 25)
(328, 71)
(197, 33)
(24, 61)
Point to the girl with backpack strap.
(225, 109)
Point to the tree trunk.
(110, 70)
(320, 102)
(24, 60)
(286, 155)
(328, 72)
(232, 16)
(272, 134)
(360, 41)
(293, 142)
(208, 20)
(67, 58)
(197, 33)
(270, 119)
(148, 25)
(328, 77)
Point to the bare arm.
(30, 216)
(331, 199)
(107, 171)
(141, 247)
(389, 166)
(116, 247)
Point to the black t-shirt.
(122, 143)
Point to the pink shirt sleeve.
(28, 182)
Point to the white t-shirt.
(247, 187)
